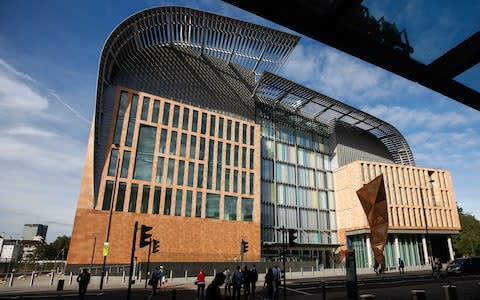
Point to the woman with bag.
(200, 285)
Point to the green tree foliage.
(58, 249)
(468, 241)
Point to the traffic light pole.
(130, 273)
(148, 262)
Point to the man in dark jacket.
(213, 289)
(83, 279)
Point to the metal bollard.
(171, 276)
(51, 278)
(301, 271)
(32, 278)
(418, 294)
(10, 282)
(368, 296)
(123, 276)
(70, 279)
(174, 294)
(450, 291)
(291, 276)
(186, 275)
(214, 272)
(313, 272)
(106, 278)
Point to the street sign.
(106, 248)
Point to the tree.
(468, 241)
(56, 250)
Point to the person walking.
(213, 289)
(253, 279)
(228, 281)
(154, 280)
(246, 281)
(200, 285)
(277, 277)
(237, 280)
(268, 284)
(401, 266)
(83, 280)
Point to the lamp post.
(429, 246)
(109, 224)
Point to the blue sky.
(49, 53)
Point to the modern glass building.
(196, 136)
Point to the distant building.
(34, 232)
(11, 251)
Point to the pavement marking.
(298, 291)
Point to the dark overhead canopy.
(339, 24)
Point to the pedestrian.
(246, 281)
(277, 275)
(375, 267)
(228, 281)
(154, 280)
(83, 280)
(237, 280)
(401, 266)
(200, 285)
(162, 277)
(213, 289)
(253, 279)
(268, 284)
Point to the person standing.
(83, 280)
(268, 284)
(401, 266)
(277, 276)
(237, 279)
(153, 282)
(213, 290)
(253, 279)
(200, 285)
(246, 281)
(228, 281)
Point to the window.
(244, 157)
(212, 125)
(156, 110)
(112, 166)
(218, 181)
(145, 197)
(132, 205)
(252, 160)
(159, 176)
(201, 151)
(144, 158)
(198, 205)
(125, 164)
(235, 156)
(188, 204)
(180, 172)
(227, 154)
(166, 113)
(213, 206)
(145, 106)
(183, 145)
(178, 203)
(186, 112)
(176, 113)
(209, 175)
(170, 169)
(252, 187)
(203, 129)
(227, 180)
(237, 131)
(132, 121)
(235, 181)
(193, 146)
(120, 196)
(107, 197)
(200, 176)
(173, 143)
(156, 200)
(168, 202)
(230, 208)
(220, 128)
(219, 152)
(191, 173)
(244, 134)
(229, 130)
(244, 182)
(252, 135)
(163, 141)
(247, 209)
(195, 121)
(120, 117)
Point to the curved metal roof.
(277, 91)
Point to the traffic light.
(156, 245)
(145, 236)
(244, 246)
(292, 236)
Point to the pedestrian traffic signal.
(145, 236)
(292, 236)
(156, 246)
(244, 246)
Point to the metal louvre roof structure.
(280, 92)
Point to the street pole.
(148, 262)
(284, 242)
(110, 213)
(130, 273)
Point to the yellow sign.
(106, 248)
